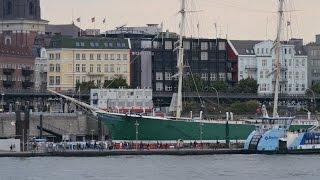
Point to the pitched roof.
(245, 47)
(63, 29)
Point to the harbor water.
(222, 167)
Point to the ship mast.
(278, 58)
(180, 63)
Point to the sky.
(235, 19)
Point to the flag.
(93, 19)
(288, 23)
(104, 21)
(78, 19)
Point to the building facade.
(294, 66)
(313, 51)
(84, 59)
(41, 71)
(122, 100)
(21, 23)
(206, 58)
(247, 60)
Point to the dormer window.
(7, 41)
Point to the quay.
(170, 152)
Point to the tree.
(247, 86)
(316, 88)
(248, 107)
(86, 86)
(118, 82)
(220, 86)
(193, 83)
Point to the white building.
(247, 60)
(122, 100)
(256, 60)
(294, 67)
(41, 70)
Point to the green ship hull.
(130, 128)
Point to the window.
(264, 63)
(57, 80)
(77, 56)
(57, 56)
(77, 67)
(83, 68)
(261, 74)
(7, 40)
(91, 68)
(58, 68)
(159, 76)
(303, 63)
(159, 86)
(303, 87)
(290, 87)
(168, 76)
(125, 57)
(290, 75)
(204, 76)
(106, 68)
(112, 68)
(213, 77)
(290, 51)
(118, 57)
(84, 57)
(51, 56)
(98, 56)
(112, 56)
(297, 87)
(91, 57)
(51, 67)
(51, 80)
(186, 45)
(8, 10)
(106, 57)
(222, 76)
(297, 75)
(168, 88)
(84, 79)
(222, 46)
(168, 45)
(297, 63)
(204, 56)
(77, 79)
(204, 45)
(31, 8)
(302, 75)
(99, 68)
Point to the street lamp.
(217, 93)
(314, 97)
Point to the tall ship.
(133, 127)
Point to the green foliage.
(191, 106)
(316, 88)
(248, 107)
(116, 83)
(220, 86)
(247, 86)
(86, 86)
(192, 83)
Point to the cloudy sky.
(240, 19)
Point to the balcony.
(251, 68)
(27, 84)
(8, 83)
(8, 71)
(95, 74)
(27, 72)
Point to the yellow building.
(84, 59)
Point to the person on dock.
(11, 148)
